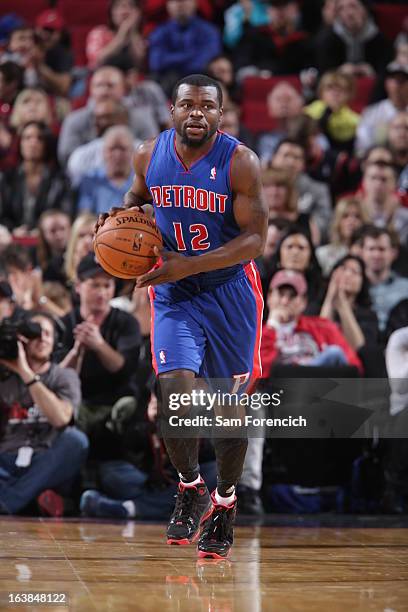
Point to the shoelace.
(184, 503)
(218, 526)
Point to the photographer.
(37, 404)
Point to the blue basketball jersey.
(193, 207)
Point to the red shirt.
(322, 331)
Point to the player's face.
(196, 114)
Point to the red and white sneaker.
(218, 534)
(193, 507)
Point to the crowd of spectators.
(78, 400)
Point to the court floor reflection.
(123, 567)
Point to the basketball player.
(206, 299)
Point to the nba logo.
(162, 356)
(213, 173)
(137, 242)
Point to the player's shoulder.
(143, 154)
(245, 164)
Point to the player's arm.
(251, 216)
(138, 195)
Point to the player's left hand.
(174, 267)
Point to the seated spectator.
(314, 197)
(281, 46)
(25, 281)
(349, 215)
(291, 338)
(21, 49)
(348, 303)
(36, 184)
(221, 69)
(102, 343)
(54, 227)
(374, 122)
(31, 51)
(353, 43)
(237, 18)
(56, 60)
(11, 83)
(381, 202)
(185, 44)
(336, 119)
(31, 105)
(79, 244)
(230, 124)
(147, 94)
(397, 140)
(295, 252)
(79, 126)
(281, 198)
(338, 169)
(284, 103)
(379, 250)
(39, 401)
(108, 184)
(89, 157)
(121, 42)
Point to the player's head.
(196, 109)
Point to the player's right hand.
(147, 209)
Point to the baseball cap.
(291, 278)
(88, 267)
(397, 68)
(6, 290)
(50, 20)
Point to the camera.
(10, 331)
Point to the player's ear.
(172, 111)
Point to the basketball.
(125, 242)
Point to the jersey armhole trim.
(230, 168)
(150, 160)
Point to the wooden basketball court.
(127, 567)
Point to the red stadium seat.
(364, 89)
(390, 17)
(79, 13)
(27, 9)
(78, 40)
(254, 109)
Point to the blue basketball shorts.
(215, 333)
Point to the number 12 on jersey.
(198, 236)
